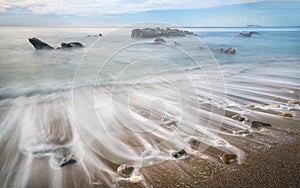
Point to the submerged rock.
(39, 45)
(286, 114)
(229, 51)
(228, 158)
(258, 124)
(179, 154)
(193, 141)
(135, 179)
(69, 162)
(159, 40)
(124, 170)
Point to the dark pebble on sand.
(69, 162)
(180, 153)
(258, 124)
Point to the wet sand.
(275, 165)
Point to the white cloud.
(91, 7)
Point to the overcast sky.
(121, 12)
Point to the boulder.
(40, 45)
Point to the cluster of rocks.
(40, 45)
(159, 32)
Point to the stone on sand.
(124, 170)
(228, 158)
(258, 124)
(286, 114)
(135, 179)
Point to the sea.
(134, 101)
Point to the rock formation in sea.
(159, 32)
(40, 45)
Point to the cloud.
(104, 7)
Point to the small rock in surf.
(179, 154)
(258, 124)
(124, 170)
(286, 114)
(159, 40)
(69, 162)
(135, 179)
(228, 158)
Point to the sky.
(63, 13)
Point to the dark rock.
(69, 162)
(179, 154)
(229, 51)
(71, 45)
(40, 45)
(124, 170)
(159, 32)
(159, 40)
(258, 124)
(248, 34)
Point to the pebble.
(135, 179)
(228, 158)
(258, 124)
(246, 131)
(251, 106)
(286, 114)
(270, 106)
(220, 143)
(124, 169)
(238, 117)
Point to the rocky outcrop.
(248, 34)
(40, 45)
(159, 32)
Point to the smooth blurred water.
(23, 70)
